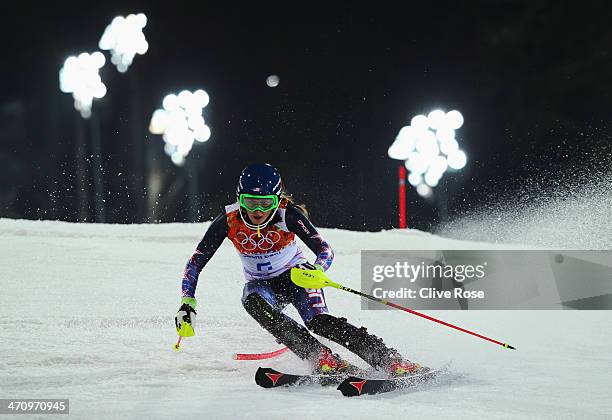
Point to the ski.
(354, 386)
(270, 378)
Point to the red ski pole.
(313, 279)
(177, 346)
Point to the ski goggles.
(258, 202)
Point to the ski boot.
(331, 363)
(402, 367)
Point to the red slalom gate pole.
(259, 356)
(402, 196)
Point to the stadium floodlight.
(180, 123)
(424, 190)
(457, 159)
(454, 119)
(80, 76)
(272, 80)
(419, 123)
(429, 148)
(124, 38)
(436, 119)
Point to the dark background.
(532, 79)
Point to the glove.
(308, 266)
(185, 317)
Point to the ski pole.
(314, 279)
(177, 346)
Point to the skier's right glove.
(185, 317)
(309, 266)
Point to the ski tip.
(508, 346)
(262, 379)
(351, 386)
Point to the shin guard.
(286, 330)
(367, 346)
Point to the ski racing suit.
(267, 257)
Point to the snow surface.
(86, 313)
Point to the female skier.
(262, 225)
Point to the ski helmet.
(259, 180)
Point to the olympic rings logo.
(252, 241)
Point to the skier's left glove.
(185, 317)
(309, 266)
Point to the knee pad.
(283, 328)
(324, 324)
(370, 348)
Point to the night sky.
(533, 80)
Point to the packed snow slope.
(86, 313)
